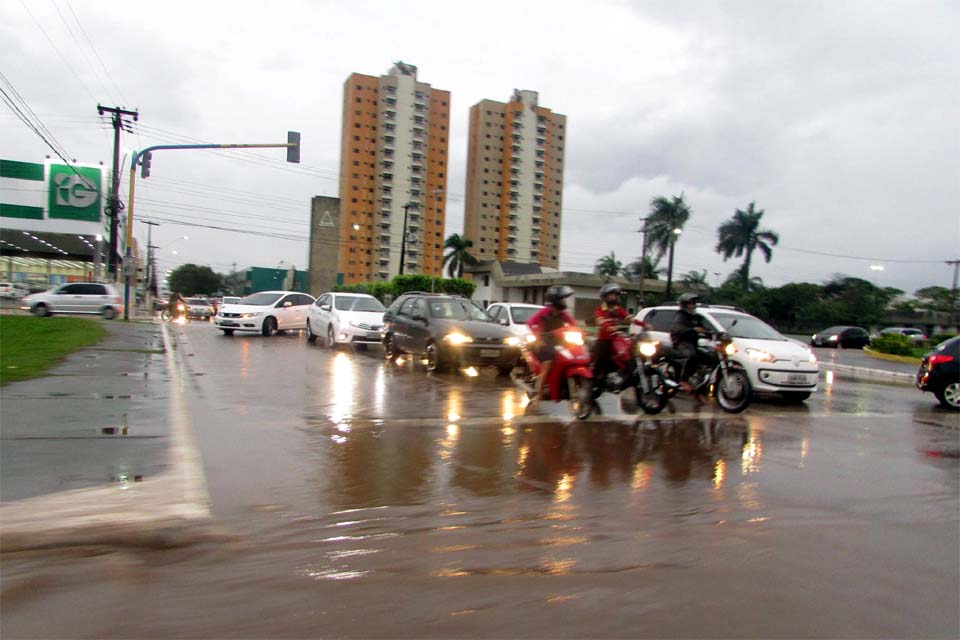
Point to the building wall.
(325, 234)
(515, 180)
(394, 150)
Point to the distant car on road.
(939, 373)
(448, 331)
(199, 308)
(514, 316)
(345, 318)
(266, 312)
(841, 336)
(76, 297)
(915, 335)
(12, 290)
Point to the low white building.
(524, 282)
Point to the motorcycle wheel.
(656, 399)
(733, 390)
(581, 397)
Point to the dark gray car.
(448, 332)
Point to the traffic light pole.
(293, 155)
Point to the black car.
(846, 337)
(447, 331)
(939, 373)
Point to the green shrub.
(940, 337)
(892, 343)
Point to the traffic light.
(145, 161)
(293, 151)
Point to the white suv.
(775, 364)
(345, 318)
(76, 297)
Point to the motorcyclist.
(542, 325)
(175, 302)
(684, 333)
(608, 315)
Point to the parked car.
(448, 331)
(514, 316)
(345, 318)
(915, 335)
(939, 373)
(843, 336)
(266, 312)
(12, 290)
(200, 308)
(76, 297)
(774, 363)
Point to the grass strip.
(30, 346)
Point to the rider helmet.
(556, 296)
(688, 298)
(610, 288)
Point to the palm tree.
(741, 235)
(664, 224)
(608, 266)
(458, 256)
(696, 279)
(643, 268)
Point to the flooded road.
(352, 497)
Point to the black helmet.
(557, 294)
(688, 298)
(610, 287)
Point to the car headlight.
(255, 314)
(759, 355)
(513, 341)
(457, 339)
(573, 337)
(833, 338)
(811, 357)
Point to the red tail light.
(939, 358)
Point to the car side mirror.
(504, 322)
(287, 304)
(419, 317)
(324, 307)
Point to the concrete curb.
(158, 512)
(867, 373)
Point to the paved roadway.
(357, 498)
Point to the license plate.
(373, 336)
(228, 323)
(797, 378)
(489, 353)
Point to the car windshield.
(747, 327)
(522, 314)
(199, 301)
(261, 299)
(457, 310)
(229, 300)
(833, 330)
(356, 303)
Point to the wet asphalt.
(356, 498)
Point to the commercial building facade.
(393, 173)
(515, 180)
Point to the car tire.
(949, 396)
(311, 336)
(331, 338)
(269, 326)
(41, 310)
(228, 332)
(109, 313)
(389, 349)
(794, 397)
(432, 353)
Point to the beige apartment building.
(515, 180)
(393, 166)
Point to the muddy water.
(355, 498)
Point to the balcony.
(541, 141)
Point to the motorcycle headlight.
(730, 349)
(573, 337)
(758, 354)
(648, 349)
(531, 338)
(180, 307)
(513, 341)
(457, 339)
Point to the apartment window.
(356, 138)
(358, 100)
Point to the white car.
(199, 308)
(76, 297)
(514, 316)
(266, 312)
(345, 318)
(774, 363)
(12, 290)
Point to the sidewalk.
(100, 450)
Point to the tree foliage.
(667, 217)
(742, 235)
(608, 266)
(192, 279)
(385, 291)
(459, 256)
(644, 267)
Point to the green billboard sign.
(74, 193)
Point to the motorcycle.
(570, 378)
(716, 374)
(636, 361)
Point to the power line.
(94, 49)
(62, 57)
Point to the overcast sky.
(839, 119)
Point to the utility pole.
(403, 238)
(113, 208)
(643, 262)
(954, 302)
(151, 276)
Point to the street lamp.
(876, 268)
(673, 240)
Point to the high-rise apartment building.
(393, 168)
(515, 180)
